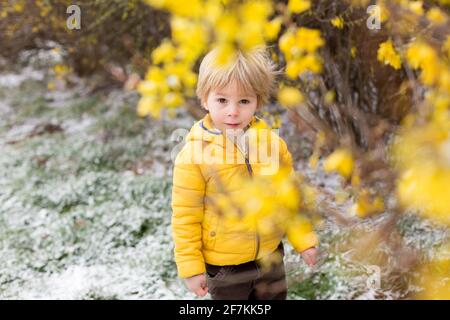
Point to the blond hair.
(252, 71)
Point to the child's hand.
(310, 256)
(197, 284)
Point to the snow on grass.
(13, 80)
(76, 220)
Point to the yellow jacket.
(199, 233)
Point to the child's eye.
(222, 100)
(245, 101)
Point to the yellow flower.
(312, 63)
(296, 230)
(364, 206)
(226, 51)
(51, 86)
(61, 69)
(253, 18)
(276, 123)
(293, 69)
(313, 160)
(269, 203)
(148, 106)
(421, 55)
(379, 11)
(250, 36)
(155, 74)
(353, 51)
(179, 8)
(384, 12)
(388, 55)
(330, 97)
(434, 276)
(157, 3)
(340, 161)
(338, 22)
(272, 28)
(189, 79)
(444, 80)
(296, 67)
(227, 27)
(164, 53)
(298, 6)
(147, 88)
(309, 39)
(290, 97)
(425, 187)
(309, 196)
(356, 180)
(172, 100)
(416, 7)
(255, 10)
(287, 42)
(18, 7)
(341, 196)
(213, 11)
(446, 46)
(190, 33)
(422, 156)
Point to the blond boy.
(212, 254)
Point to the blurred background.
(92, 92)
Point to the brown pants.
(248, 281)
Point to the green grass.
(71, 200)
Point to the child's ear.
(203, 104)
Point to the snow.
(13, 80)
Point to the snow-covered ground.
(84, 196)
(85, 203)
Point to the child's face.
(230, 108)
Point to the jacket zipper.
(249, 166)
(250, 171)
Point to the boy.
(212, 255)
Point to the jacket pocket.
(209, 233)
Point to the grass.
(71, 200)
(85, 209)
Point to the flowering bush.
(112, 33)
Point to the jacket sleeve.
(187, 214)
(301, 235)
(300, 232)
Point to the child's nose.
(233, 110)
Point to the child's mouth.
(233, 125)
